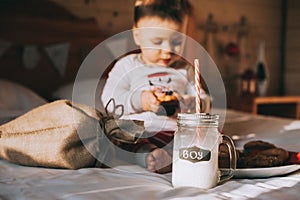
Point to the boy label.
(194, 154)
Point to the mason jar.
(196, 149)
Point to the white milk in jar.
(195, 151)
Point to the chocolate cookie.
(169, 104)
(258, 145)
(255, 154)
(265, 158)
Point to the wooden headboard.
(39, 24)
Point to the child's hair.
(175, 10)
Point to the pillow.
(85, 87)
(16, 99)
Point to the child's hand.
(149, 101)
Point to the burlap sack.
(61, 134)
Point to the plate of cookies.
(261, 159)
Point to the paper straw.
(197, 85)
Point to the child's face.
(160, 40)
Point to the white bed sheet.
(130, 182)
(134, 182)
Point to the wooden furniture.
(283, 106)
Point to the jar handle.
(227, 174)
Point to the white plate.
(265, 172)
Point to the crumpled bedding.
(130, 182)
(133, 182)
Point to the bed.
(129, 181)
(22, 89)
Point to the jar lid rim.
(198, 116)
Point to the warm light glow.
(298, 156)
